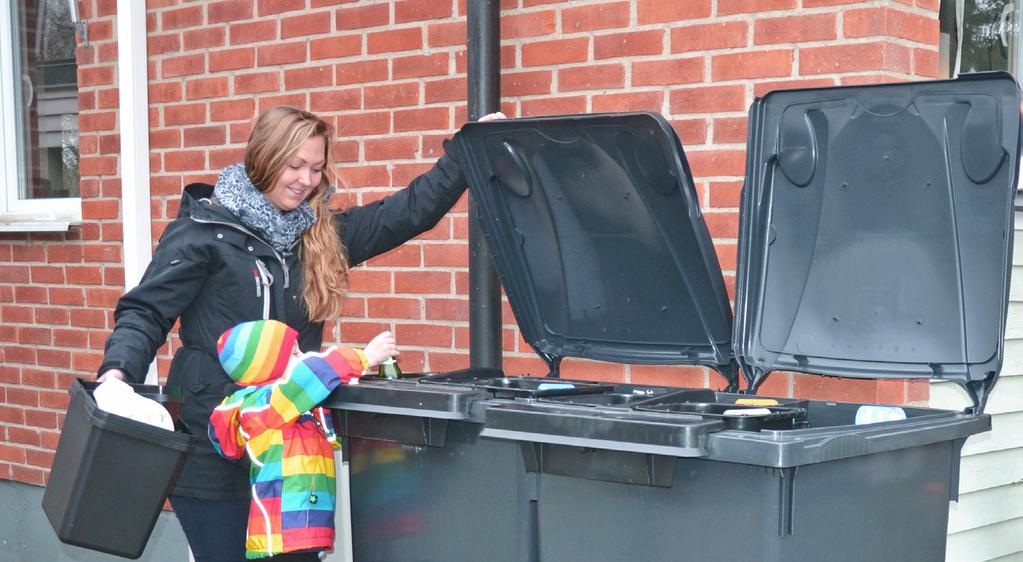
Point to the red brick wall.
(390, 76)
(57, 290)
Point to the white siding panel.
(1001, 539)
(1014, 557)
(989, 470)
(1016, 284)
(1006, 433)
(950, 396)
(1017, 243)
(1013, 331)
(985, 507)
(1004, 398)
(1015, 318)
(1012, 361)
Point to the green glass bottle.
(389, 369)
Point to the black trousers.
(215, 530)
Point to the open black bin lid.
(596, 232)
(876, 231)
(875, 240)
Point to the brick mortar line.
(33, 408)
(798, 78)
(37, 346)
(49, 326)
(26, 446)
(399, 320)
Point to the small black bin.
(111, 475)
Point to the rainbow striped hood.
(256, 352)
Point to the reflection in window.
(46, 105)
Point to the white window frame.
(18, 214)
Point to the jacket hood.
(198, 202)
(256, 352)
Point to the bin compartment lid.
(405, 397)
(497, 384)
(677, 435)
(876, 230)
(596, 232)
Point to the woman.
(260, 244)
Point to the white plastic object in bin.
(867, 414)
(746, 412)
(117, 397)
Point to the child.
(289, 440)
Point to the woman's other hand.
(380, 348)
(493, 116)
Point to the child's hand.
(380, 348)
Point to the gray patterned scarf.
(281, 229)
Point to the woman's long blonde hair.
(277, 135)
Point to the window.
(39, 187)
(979, 35)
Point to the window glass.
(46, 103)
(978, 35)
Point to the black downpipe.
(484, 84)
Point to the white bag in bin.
(117, 397)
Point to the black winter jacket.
(212, 273)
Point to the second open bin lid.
(876, 231)
(875, 237)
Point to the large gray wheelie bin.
(875, 242)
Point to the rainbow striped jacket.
(289, 441)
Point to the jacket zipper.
(284, 265)
(266, 279)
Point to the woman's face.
(302, 173)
